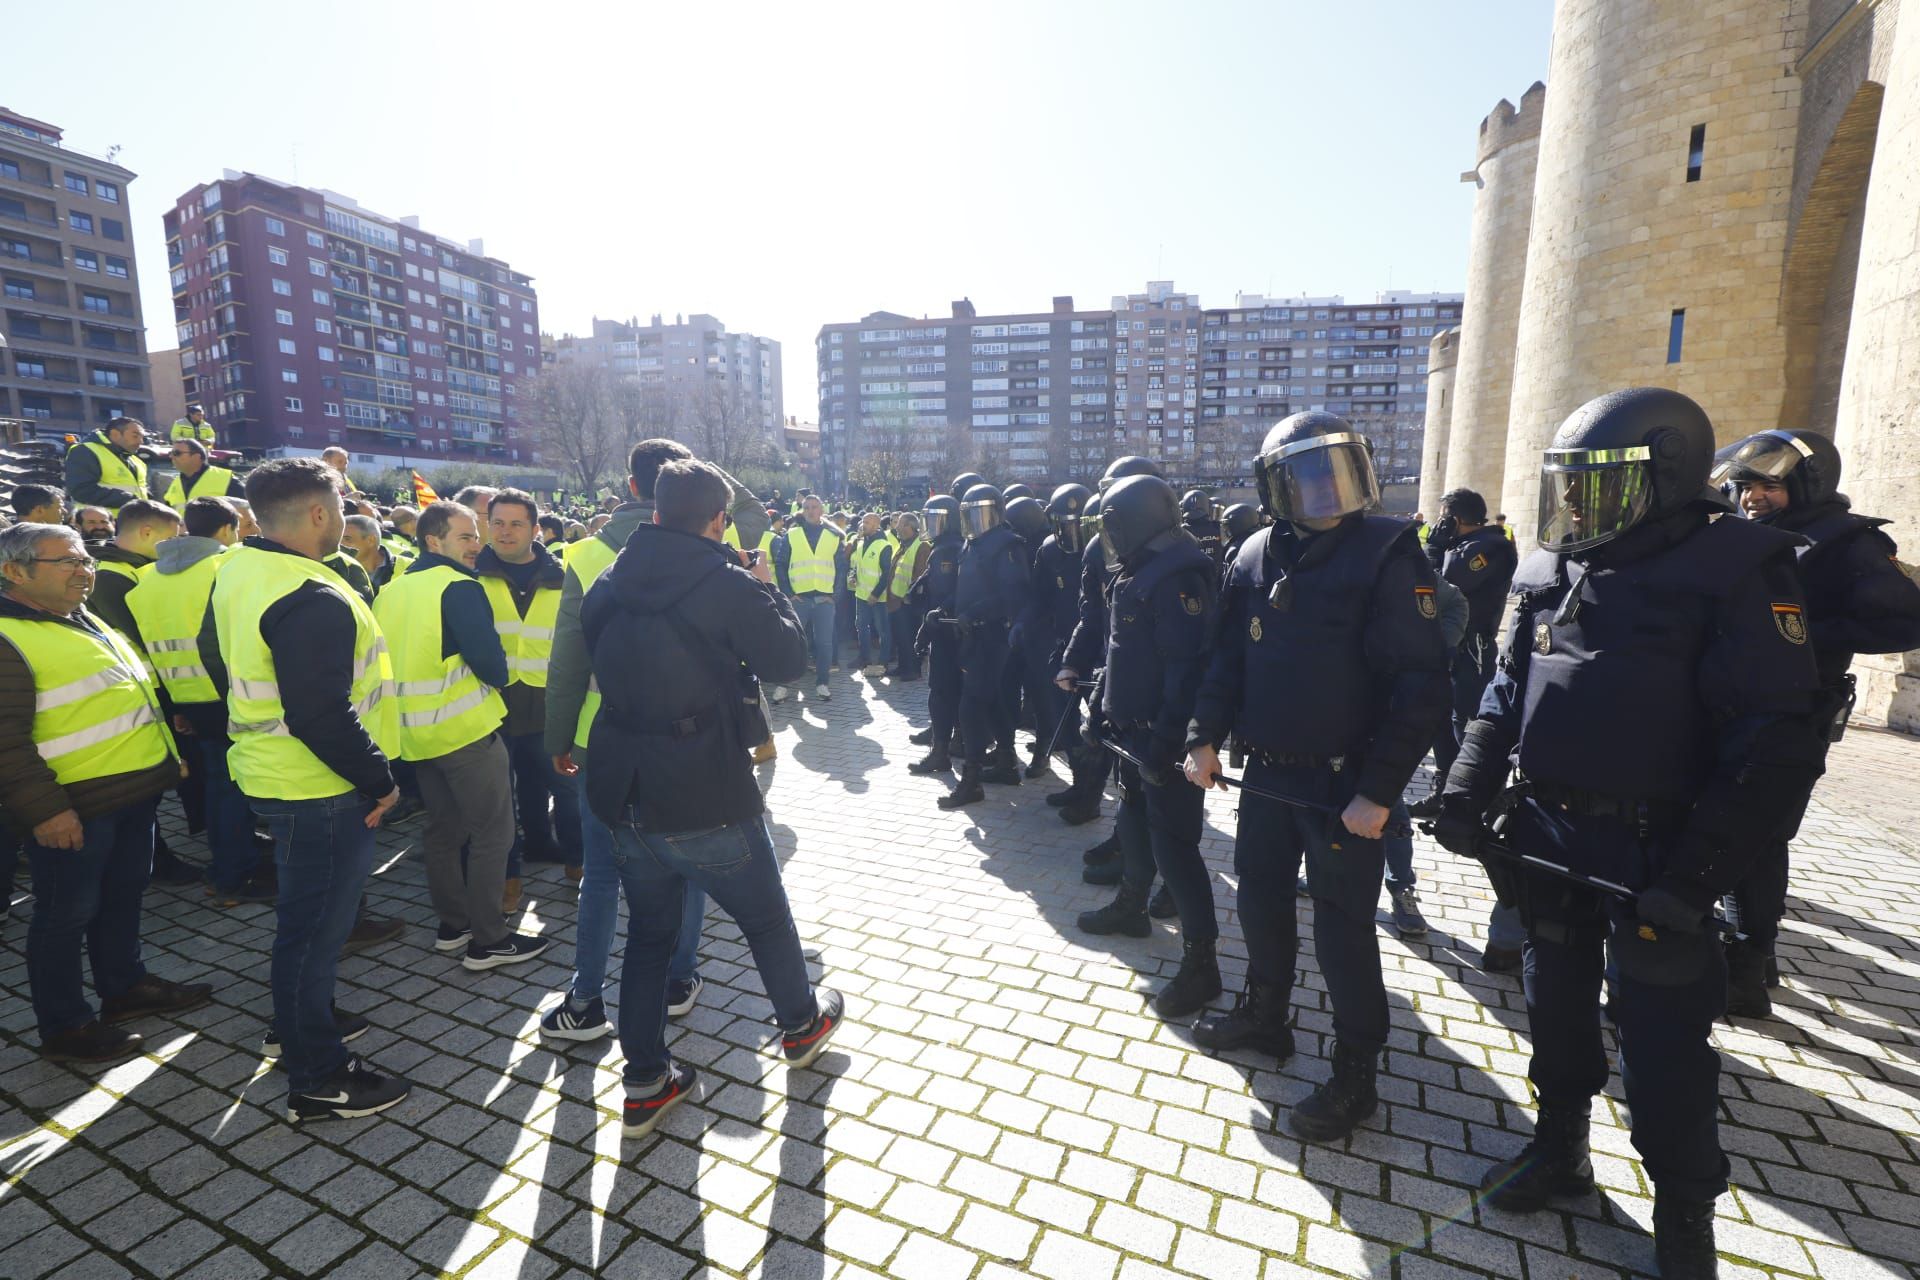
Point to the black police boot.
(1126, 914)
(1683, 1238)
(936, 761)
(1556, 1164)
(1258, 1021)
(1040, 766)
(922, 738)
(1162, 908)
(1747, 981)
(1773, 970)
(1337, 1107)
(1003, 768)
(1102, 862)
(1081, 810)
(966, 791)
(1197, 982)
(1060, 798)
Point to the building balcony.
(41, 263)
(23, 216)
(343, 285)
(353, 311)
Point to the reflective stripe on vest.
(216, 482)
(810, 568)
(95, 713)
(170, 608)
(444, 706)
(267, 761)
(529, 640)
(866, 567)
(184, 430)
(117, 470)
(903, 568)
(589, 558)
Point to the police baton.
(1332, 812)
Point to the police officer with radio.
(991, 591)
(1331, 669)
(1858, 601)
(931, 596)
(1655, 692)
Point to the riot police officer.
(1012, 494)
(992, 589)
(963, 482)
(931, 596)
(1028, 676)
(1331, 670)
(1201, 518)
(1047, 622)
(1160, 616)
(1655, 692)
(1858, 601)
(1239, 522)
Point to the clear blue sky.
(781, 166)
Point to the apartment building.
(75, 348)
(306, 320)
(693, 359)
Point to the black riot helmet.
(1013, 491)
(940, 517)
(1315, 466)
(1135, 511)
(980, 510)
(1804, 463)
(963, 482)
(1069, 505)
(1240, 521)
(1197, 505)
(1027, 518)
(1132, 465)
(1620, 460)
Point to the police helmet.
(1070, 504)
(1197, 505)
(1803, 462)
(940, 517)
(963, 482)
(1240, 521)
(1135, 511)
(1131, 465)
(981, 509)
(1028, 518)
(1314, 466)
(1620, 460)
(1013, 491)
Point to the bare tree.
(576, 420)
(725, 427)
(885, 460)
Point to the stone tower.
(1442, 357)
(1642, 246)
(1504, 165)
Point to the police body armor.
(1134, 687)
(975, 595)
(1626, 651)
(1059, 570)
(1307, 689)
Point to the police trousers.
(943, 685)
(984, 718)
(1159, 829)
(1668, 990)
(1759, 902)
(1344, 873)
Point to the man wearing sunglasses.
(197, 476)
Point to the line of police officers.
(1655, 720)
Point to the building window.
(80, 222)
(330, 409)
(275, 227)
(85, 259)
(21, 289)
(29, 368)
(293, 404)
(289, 375)
(288, 348)
(1696, 152)
(322, 297)
(106, 377)
(10, 170)
(322, 325)
(1676, 334)
(278, 257)
(326, 355)
(117, 267)
(282, 316)
(77, 183)
(315, 267)
(97, 303)
(112, 229)
(108, 191)
(283, 288)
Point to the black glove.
(1094, 730)
(1159, 760)
(1457, 827)
(1663, 908)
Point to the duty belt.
(1663, 813)
(1293, 760)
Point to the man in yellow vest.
(169, 606)
(909, 562)
(361, 541)
(523, 583)
(197, 477)
(193, 427)
(448, 666)
(872, 573)
(313, 717)
(84, 756)
(105, 469)
(807, 574)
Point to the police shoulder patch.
(1192, 604)
(1423, 600)
(1253, 630)
(1790, 622)
(1478, 563)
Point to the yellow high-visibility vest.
(96, 712)
(810, 568)
(866, 567)
(217, 483)
(443, 705)
(117, 470)
(903, 568)
(589, 558)
(182, 429)
(267, 761)
(529, 640)
(170, 608)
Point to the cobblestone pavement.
(1001, 1105)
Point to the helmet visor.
(1066, 531)
(1767, 458)
(934, 520)
(978, 517)
(1589, 496)
(1322, 478)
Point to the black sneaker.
(639, 1116)
(515, 948)
(174, 872)
(682, 996)
(1407, 919)
(262, 886)
(354, 1090)
(564, 1022)
(803, 1046)
(349, 1026)
(452, 939)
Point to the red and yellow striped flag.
(422, 491)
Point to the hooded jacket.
(669, 628)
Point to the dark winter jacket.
(82, 476)
(669, 627)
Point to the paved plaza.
(1001, 1104)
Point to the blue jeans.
(736, 866)
(1399, 848)
(816, 615)
(88, 897)
(534, 828)
(229, 820)
(600, 912)
(871, 616)
(324, 852)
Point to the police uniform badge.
(1059, 582)
(1253, 630)
(1423, 598)
(1790, 622)
(1192, 604)
(1478, 563)
(1542, 638)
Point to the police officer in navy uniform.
(1858, 601)
(1655, 692)
(992, 590)
(931, 596)
(1201, 518)
(1331, 670)
(1027, 675)
(1238, 523)
(1161, 610)
(1046, 624)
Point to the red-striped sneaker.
(639, 1116)
(803, 1046)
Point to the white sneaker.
(821, 691)
(779, 694)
